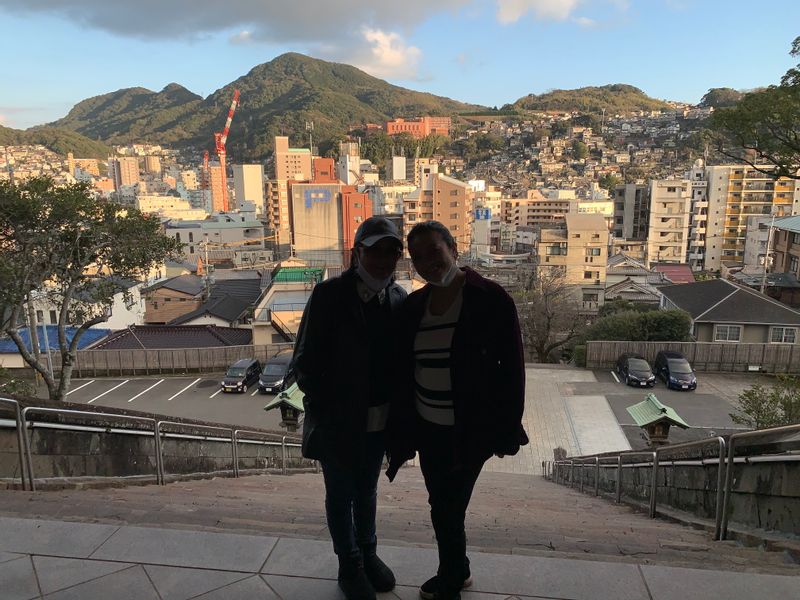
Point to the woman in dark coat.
(463, 372)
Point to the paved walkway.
(557, 418)
(85, 561)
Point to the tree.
(721, 98)
(619, 305)
(609, 181)
(579, 150)
(647, 326)
(75, 249)
(549, 315)
(760, 407)
(764, 127)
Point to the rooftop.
(153, 337)
(7, 345)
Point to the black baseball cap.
(374, 230)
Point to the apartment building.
(537, 209)
(736, 192)
(668, 227)
(442, 199)
(291, 163)
(248, 185)
(785, 246)
(580, 250)
(631, 210)
(123, 170)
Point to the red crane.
(220, 139)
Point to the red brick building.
(420, 127)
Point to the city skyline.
(489, 52)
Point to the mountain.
(277, 97)
(617, 98)
(58, 140)
(132, 114)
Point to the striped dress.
(432, 345)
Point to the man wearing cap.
(342, 359)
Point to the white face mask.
(448, 277)
(373, 284)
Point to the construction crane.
(220, 139)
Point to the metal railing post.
(723, 534)
(654, 486)
(234, 453)
(720, 491)
(583, 467)
(159, 453)
(596, 475)
(283, 456)
(619, 478)
(20, 424)
(572, 473)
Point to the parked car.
(675, 370)
(276, 376)
(241, 375)
(633, 369)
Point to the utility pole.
(766, 256)
(310, 130)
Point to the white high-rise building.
(248, 185)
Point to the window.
(593, 252)
(454, 192)
(454, 204)
(727, 333)
(783, 335)
(576, 235)
(794, 263)
(177, 237)
(588, 275)
(53, 317)
(39, 317)
(454, 228)
(796, 238)
(671, 190)
(357, 204)
(191, 237)
(590, 297)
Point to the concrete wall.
(63, 453)
(764, 495)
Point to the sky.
(490, 52)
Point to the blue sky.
(58, 52)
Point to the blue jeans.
(351, 493)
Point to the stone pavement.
(555, 418)
(85, 561)
(508, 514)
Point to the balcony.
(701, 204)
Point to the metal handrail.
(82, 413)
(208, 427)
(729, 470)
(236, 434)
(20, 441)
(724, 477)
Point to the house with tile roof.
(156, 337)
(724, 311)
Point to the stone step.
(509, 514)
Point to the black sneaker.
(379, 575)
(432, 589)
(355, 585)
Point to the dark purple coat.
(488, 375)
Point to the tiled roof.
(652, 411)
(7, 345)
(187, 284)
(720, 301)
(153, 337)
(788, 223)
(675, 272)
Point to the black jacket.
(331, 355)
(488, 376)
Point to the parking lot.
(190, 397)
(706, 409)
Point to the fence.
(99, 363)
(703, 356)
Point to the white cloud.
(389, 55)
(511, 11)
(243, 37)
(585, 22)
